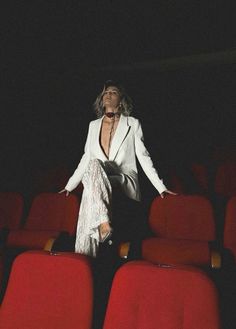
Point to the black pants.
(129, 223)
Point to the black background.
(55, 56)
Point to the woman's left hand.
(167, 192)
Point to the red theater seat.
(50, 214)
(48, 292)
(151, 297)
(11, 210)
(183, 227)
(230, 226)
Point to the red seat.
(50, 214)
(183, 227)
(230, 226)
(152, 297)
(48, 291)
(11, 210)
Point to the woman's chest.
(106, 136)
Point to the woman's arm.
(146, 161)
(76, 178)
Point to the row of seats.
(197, 177)
(183, 224)
(183, 228)
(56, 291)
(50, 215)
(208, 179)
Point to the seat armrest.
(49, 244)
(216, 260)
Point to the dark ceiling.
(64, 35)
(55, 56)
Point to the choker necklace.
(112, 114)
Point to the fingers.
(170, 192)
(167, 192)
(64, 190)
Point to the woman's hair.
(126, 104)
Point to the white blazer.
(126, 145)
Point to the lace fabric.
(95, 208)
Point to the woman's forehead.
(112, 88)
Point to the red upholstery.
(11, 209)
(172, 251)
(230, 226)
(225, 182)
(49, 292)
(183, 226)
(31, 239)
(182, 217)
(50, 214)
(146, 296)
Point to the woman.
(114, 141)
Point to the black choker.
(112, 114)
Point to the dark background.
(175, 58)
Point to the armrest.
(216, 261)
(49, 244)
(123, 249)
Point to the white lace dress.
(95, 208)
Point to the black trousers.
(129, 223)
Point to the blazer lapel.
(120, 134)
(102, 155)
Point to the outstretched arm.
(147, 164)
(75, 179)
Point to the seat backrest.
(53, 211)
(151, 297)
(230, 226)
(11, 210)
(182, 217)
(225, 181)
(48, 291)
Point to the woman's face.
(111, 97)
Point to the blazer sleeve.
(76, 178)
(146, 161)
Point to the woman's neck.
(111, 114)
(111, 109)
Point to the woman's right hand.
(64, 190)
